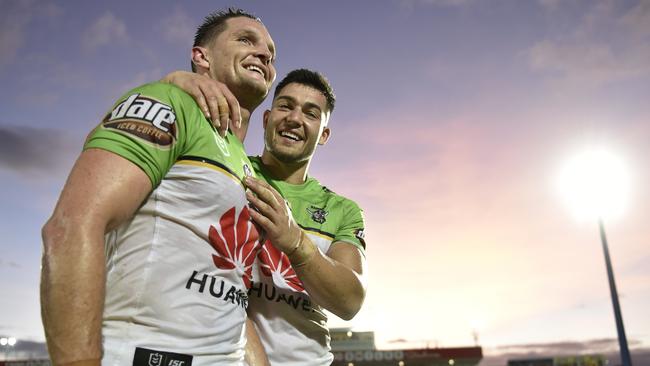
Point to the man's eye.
(245, 40)
(313, 115)
(283, 106)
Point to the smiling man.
(315, 254)
(148, 254)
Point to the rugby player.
(315, 255)
(147, 255)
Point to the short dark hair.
(215, 23)
(310, 78)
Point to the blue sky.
(452, 119)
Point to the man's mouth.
(290, 135)
(257, 69)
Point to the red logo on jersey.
(237, 244)
(276, 265)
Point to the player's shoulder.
(317, 187)
(159, 89)
(156, 99)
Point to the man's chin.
(254, 93)
(287, 157)
(254, 85)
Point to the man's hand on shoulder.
(214, 98)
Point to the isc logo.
(160, 115)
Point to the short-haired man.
(317, 255)
(147, 256)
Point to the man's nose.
(264, 55)
(295, 116)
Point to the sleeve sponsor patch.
(361, 235)
(145, 118)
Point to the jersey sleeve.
(147, 126)
(352, 226)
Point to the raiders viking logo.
(317, 214)
(247, 170)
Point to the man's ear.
(200, 57)
(265, 118)
(324, 136)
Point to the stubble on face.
(301, 97)
(244, 43)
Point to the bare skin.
(255, 354)
(73, 262)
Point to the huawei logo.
(275, 264)
(236, 243)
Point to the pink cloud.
(106, 29)
(178, 27)
(14, 20)
(466, 207)
(607, 45)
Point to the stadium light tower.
(595, 183)
(7, 342)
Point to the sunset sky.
(453, 120)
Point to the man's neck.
(246, 109)
(293, 173)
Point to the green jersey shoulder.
(157, 124)
(319, 210)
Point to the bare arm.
(333, 280)
(255, 354)
(103, 190)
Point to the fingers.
(192, 84)
(263, 222)
(272, 213)
(233, 106)
(266, 200)
(217, 105)
(264, 191)
(276, 226)
(214, 98)
(260, 205)
(222, 104)
(221, 111)
(197, 94)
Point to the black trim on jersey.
(329, 235)
(208, 161)
(152, 357)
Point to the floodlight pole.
(622, 340)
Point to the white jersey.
(178, 272)
(292, 328)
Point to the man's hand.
(214, 98)
(273, 215)
(333, 280)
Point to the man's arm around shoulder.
(102, 191)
